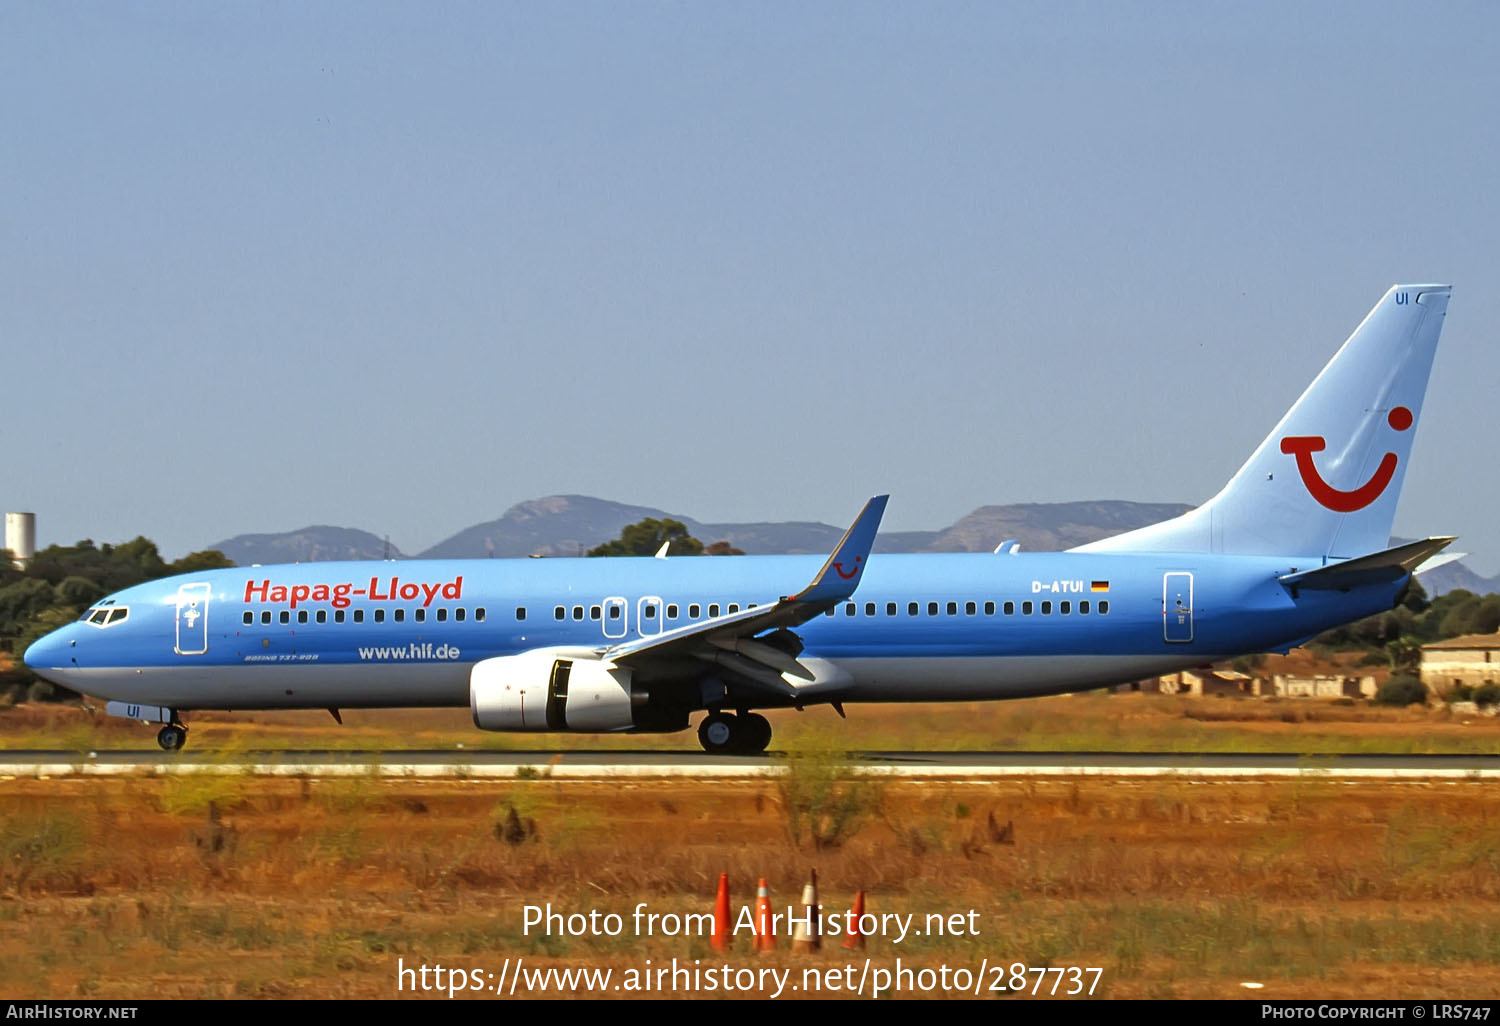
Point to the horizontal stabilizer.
(1388, 565)
(1440, 560)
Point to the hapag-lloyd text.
(391, 589)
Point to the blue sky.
(399, 266)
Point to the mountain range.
(570, 525)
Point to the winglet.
(840, 575)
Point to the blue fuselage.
(918, 627)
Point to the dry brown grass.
(1093, 721)
(241, 887)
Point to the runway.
(490, 764)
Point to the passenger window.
(970, 609)
(442, 614)
(694, 610)
(713, 610)
(912, 609)
(399, 616)
(578, 612)
(1046, 608)
(380, 616)
(459, 614)
(338, 616)
(650, 612)
(1065, 607)
(323, 615)
(520, 612)
(1083, 606)
(301, 616)
(594, 613)
(1025, 608)
(419, 615)
(952, 608)
(286, 616)
(479, 614)
(672, 611)
(359, 616)
(249, 617)
(1010, 609)
(890, 609)
(932, 608)
(734, 607)
(849, 608)
(1103, 607)
(559, 613)
(989, 609)
(829, 612)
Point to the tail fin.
(1326, 480)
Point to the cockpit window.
(117, 615)
(106, 616)
(99, 616)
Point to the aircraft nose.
(50, 650)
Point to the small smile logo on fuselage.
(1303, 447)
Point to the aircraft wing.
(730, 640)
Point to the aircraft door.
(648, 616)
(616, 616)
(1177, 607)
(192, 619)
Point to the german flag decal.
(1099, 586)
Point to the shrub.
(824, 797)
(1487, 694)
(1401, 689)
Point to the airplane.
(1297, 542)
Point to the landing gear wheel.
(171, 737)
(755, 731)
(718, 733)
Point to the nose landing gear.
(171, 737)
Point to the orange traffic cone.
(855, 940)
(808, 934)
(721, 935)
(765, 920)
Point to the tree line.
(58, 585)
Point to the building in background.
(1473, 659)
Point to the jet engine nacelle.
(550, 689)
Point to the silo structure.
(20, 537)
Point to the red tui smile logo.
(1303, 447)
(838, 568)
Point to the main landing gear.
(171, 737)
(723, 733)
